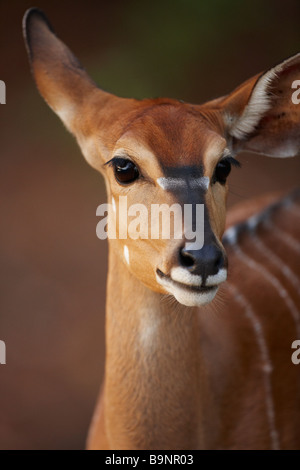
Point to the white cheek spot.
(113, 204)
(126, 254)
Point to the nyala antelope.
(184, 371)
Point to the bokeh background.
(52, 266)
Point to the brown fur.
(178, 377)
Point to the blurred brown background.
(53, 268)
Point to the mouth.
(192, 294)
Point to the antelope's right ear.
(68, 89)
(60, 78)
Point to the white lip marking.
(221, 276)
(171, 184)
(185, 277)
(126, 254)
(187, 297)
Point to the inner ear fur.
(260, 115)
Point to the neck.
(154, 380)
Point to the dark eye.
(125, 170)
(223, 169)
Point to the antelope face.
(170, 157)
(167, 152)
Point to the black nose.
(205, 262)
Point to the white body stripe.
(274, 282)
(285, 237)
(266, 362)
(294, 209)
(231, 234)
(278, 262)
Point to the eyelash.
(223, 169)
(114, 161)
(232, 160)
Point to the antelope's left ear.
(263, 114)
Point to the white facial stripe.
(202, 182)
(126, 254)
(221, 276)
(185, 277)
(171, 184)
(185, 296)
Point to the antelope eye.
(222, 171)
(126, 172)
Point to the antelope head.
(164, 151)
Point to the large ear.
(69, 91)
(60, 78)
(263, 114)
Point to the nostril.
(205, 262)
(186, 258)
(220, 262)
